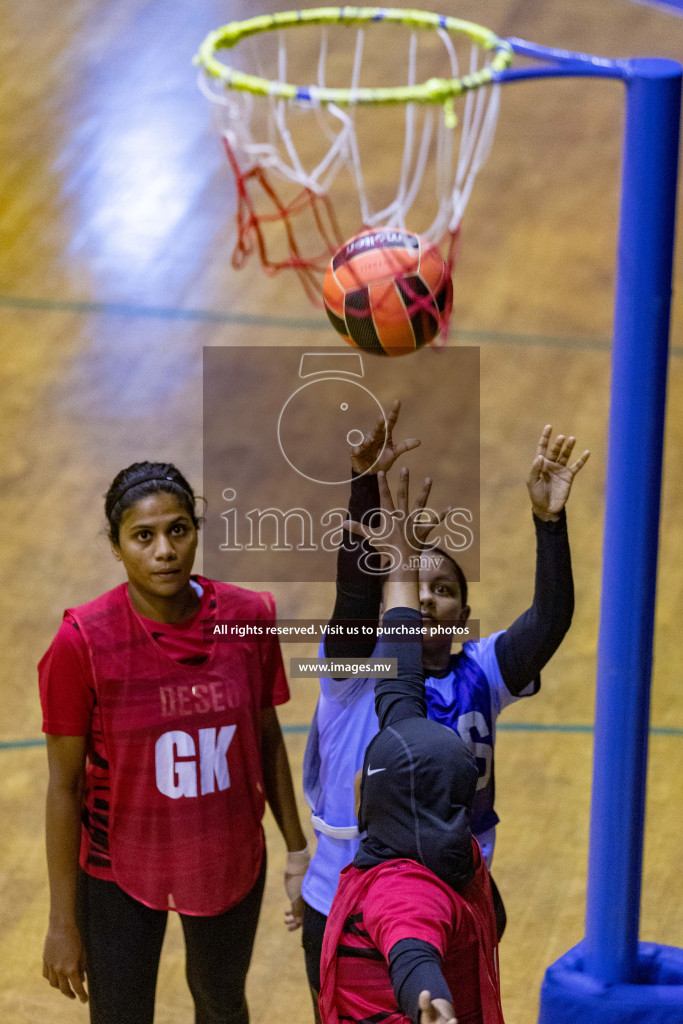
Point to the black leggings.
(123, 938)
(312, 941)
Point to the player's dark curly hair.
(140, 480)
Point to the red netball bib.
(183, 742)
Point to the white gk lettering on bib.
(180, 773)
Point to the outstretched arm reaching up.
(403, 533)
(359, 593)
(533, 638)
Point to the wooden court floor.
(117, 229)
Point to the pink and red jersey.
(375, 908)
(174, 790)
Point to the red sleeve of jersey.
(275, 689)
(67, 693)
(407, 901)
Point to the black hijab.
(419, 779)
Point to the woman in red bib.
(163, 747)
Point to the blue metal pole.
(634, 466)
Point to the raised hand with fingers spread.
(378, 451)
(551, 477)
(402, 532)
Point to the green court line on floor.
(133, 311)
(21, 744)
(209, 316)
(500, 727)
